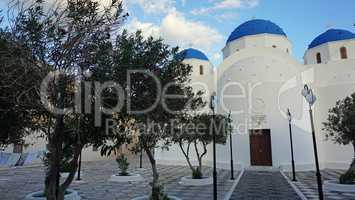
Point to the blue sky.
(206, 24)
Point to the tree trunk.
(155, 184)
(186, 154)
(349, 176)
(198, 171)
(55, 149)
(352, 166)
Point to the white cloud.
(148, 29)
(176, 30)
(154, 6)
(226, 4)
(227, 15)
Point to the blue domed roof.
(331, 35)
(192, 53)
(255, 27)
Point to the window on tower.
(201, 70)
(343, 53)
(319, 58)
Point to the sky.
(206, 24)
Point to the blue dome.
(255, 27)
(192, 53)
(331, 35)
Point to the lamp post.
(213, 106)
(231, 147)
(289, 116)
(79, 167)
(307, 93)
(141, 159)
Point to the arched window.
(343, 53)
(319, 58)
(201, 70)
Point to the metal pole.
(292, 157)
(79, 168)
(140, 159)
(319, 176)
(214, 159)
(231, 151)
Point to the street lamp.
(307, 93)
(289, 117)
(231, 146)
(213, 106)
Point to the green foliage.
(123, 165)
(16, 90)
(73, 38)
(340, 126)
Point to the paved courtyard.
(16, 183)
(307, 184)
(266, 185)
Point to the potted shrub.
(340, 129)
(124, 175)
(200, 136)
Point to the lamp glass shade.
(311, 98)
(213, 102)
(305, 92)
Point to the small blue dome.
(192, 53)
(331, 35)
(255, 27)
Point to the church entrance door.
(260, 147)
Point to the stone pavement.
(307, 184)
(263, 185)
(16, 183)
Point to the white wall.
(260, 76)
(333, 81)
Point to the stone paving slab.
(307, 184)
(16, 183)
(263, 185)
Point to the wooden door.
(260, 148)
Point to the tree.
(153, 71)
(197, 132)
(340, 128)
(66, 41)
(15, 67)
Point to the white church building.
(259, 79)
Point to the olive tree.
(154, 74)
(195, 133)
(64, 42)
(340, 128)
